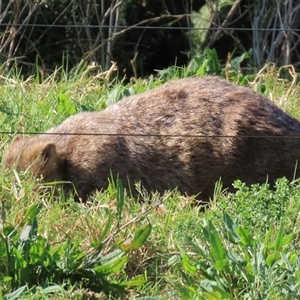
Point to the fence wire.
(149, 135)
(151, 27)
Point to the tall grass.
(243, 246)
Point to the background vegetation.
(51, 33)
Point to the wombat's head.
(37, 156)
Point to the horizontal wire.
(150, 135)
(149, 27)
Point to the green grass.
(243, 246)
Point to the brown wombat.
(186, 134)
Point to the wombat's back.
(202, 105)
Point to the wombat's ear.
(48, 153)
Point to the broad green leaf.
(53, 289)
(230, 227)
(215, 66)
(218, 252)
(31, 214)
(116, 254)
(293, 258)
(297, 276)
(236, 62)
(9, 230)
(236, 258)
(136, 281)
(287, 239)
(16, 294)
(6, 278)
(216, 295)
(174, 260)
(65, 105)
(279, 237)
(98, 245)
(259, 262)
(214, 292)
(202, 70)
(19, 261)
(272, 258)
(267, 239)
(186, 292)
(213, 295)
(140, 237)
(111, 267)
(245, 236)
(191, 269)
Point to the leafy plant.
(29, 261)
(205, 63)
(229, 263)
(65, 106)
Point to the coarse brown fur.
(186, 133)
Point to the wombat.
(186, 134)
